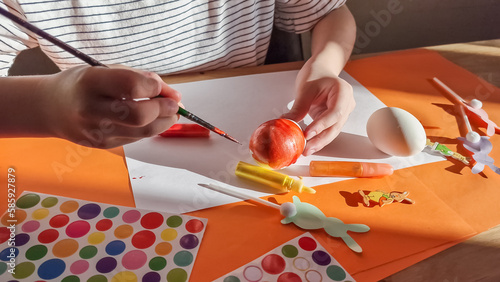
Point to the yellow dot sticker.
(124, 276)
(96, 238)
(40, 214)
(169, 234)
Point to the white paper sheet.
(164, 172)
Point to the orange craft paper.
(403, 80)
(451, 203)
(59, 167)
(247, 231)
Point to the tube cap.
(298, 186)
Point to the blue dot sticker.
(115, 247)
(9, 253)
(51, 269)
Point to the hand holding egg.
(277, 143)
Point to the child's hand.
(97, 107)
(328, 99)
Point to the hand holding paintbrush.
(98, 107)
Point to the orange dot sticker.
(18, 217)
(65, 248)
(163, 249)
(69, 206)
(123, 231)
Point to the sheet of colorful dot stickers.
(69, 240)
(300, 259)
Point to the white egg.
(396, 132)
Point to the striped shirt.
(159, 36)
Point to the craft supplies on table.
(74, 240)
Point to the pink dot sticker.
(131, 216)
(134, 259)
(78, 229)
(152, 220)
(79, 267)
(30, 226)
(307, 244)
(194, 225)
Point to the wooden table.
(473, 260)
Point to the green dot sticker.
(88, 252)
(336, 273)
(111, 212)
(183, 258)
(36, 252)
(71, 278)
(174, 221)
(289, 251)
(49, 202)
(28, 201)
(98, 278)
(24, 270)
(231, 279)
(3, 267)
(177, 275)
(157, 263)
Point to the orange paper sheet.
(402, 80)
(59, 167)
(452, 204)
(248, 230)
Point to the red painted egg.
(277, 143)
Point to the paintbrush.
(93, 62)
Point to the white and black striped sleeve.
(299, 16)
(13, 39)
